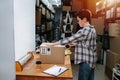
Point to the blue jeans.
(85, 72)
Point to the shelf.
(110, 20)
(109, 10)
(45, 32)
(102, 10)
(45, 17)
(117, 18)
(46, 7)
(116, 75)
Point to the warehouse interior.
(105, 20)
(26, 24)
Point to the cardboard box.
(49, 25)
(66, 8)
(100, 6)
(98, 23)
(108, 14)
(114, 29)
(118, 12)
(38, 17)
(115, 44)
(112, 59)
(52, 54)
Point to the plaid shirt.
(85, 49)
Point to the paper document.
(55, 70)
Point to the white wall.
(17, 34)
(24, 27)
(7, 58)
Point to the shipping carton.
(66, 8)
(38, 17)
(98, 24)
(112, 59)
(52, 54)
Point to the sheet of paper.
(55, 70)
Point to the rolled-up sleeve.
(79, 36)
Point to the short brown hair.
(85, 13)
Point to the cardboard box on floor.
(112, 59)
(52, 54)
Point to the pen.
(59, 69)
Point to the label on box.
(45, 51)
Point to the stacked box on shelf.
(66, 8)
(49, 25)
(38, 17)
(118, 12)
(100, 5)
(48, 15)
(43, 11)
(110, 3)
(112, 12)
(114, 29)
(108, 15)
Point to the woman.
(84, 41)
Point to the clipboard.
(55, 70)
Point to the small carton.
(52, 54)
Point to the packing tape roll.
(23, 60)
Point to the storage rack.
(110, 11)
(44, 22)
(116, 74)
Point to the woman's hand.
(72, 44)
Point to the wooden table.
(33, 71)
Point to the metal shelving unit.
(116, 74)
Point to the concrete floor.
(99, 72)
